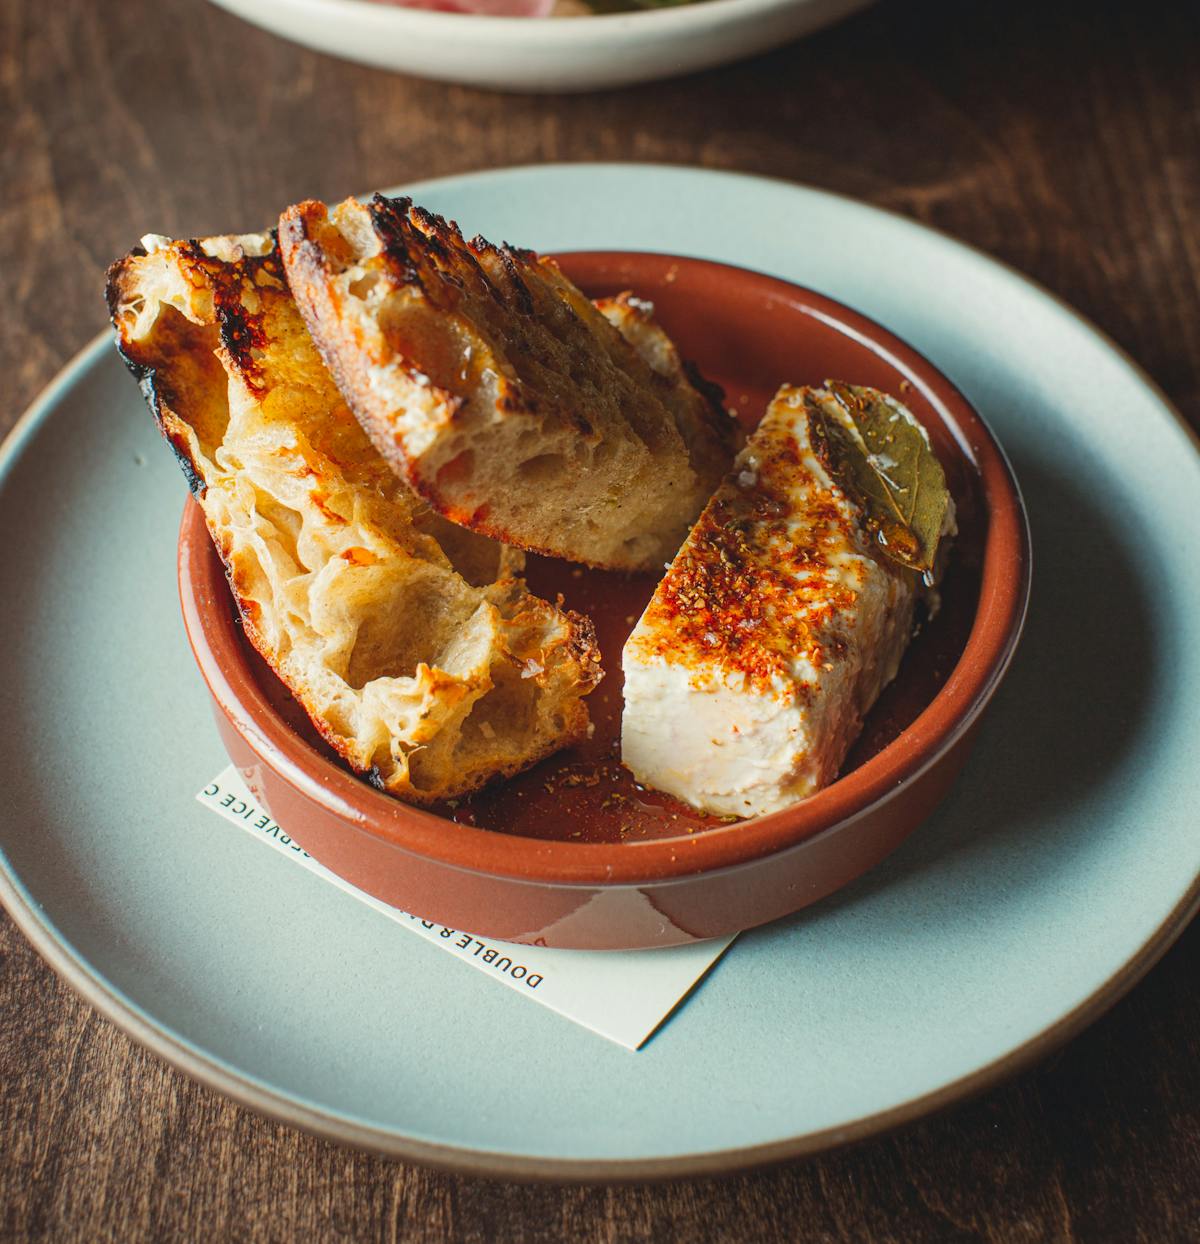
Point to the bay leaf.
(875, 450)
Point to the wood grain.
(1062, 139)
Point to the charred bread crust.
(238, 329)
(345, 582)
(492, 385)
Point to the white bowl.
(543, 53)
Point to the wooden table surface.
(1064, 139)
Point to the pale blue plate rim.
(257, 1094)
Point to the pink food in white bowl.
(485, 8)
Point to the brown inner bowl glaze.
(749, 333)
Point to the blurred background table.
(1063, 139)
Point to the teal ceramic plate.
(1061, 866)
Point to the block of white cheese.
(774, 631)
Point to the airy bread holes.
(543, 467)
(479, 561)
(287, 524)
(402, 628)
(458, 468)
(364, 286)
(504, 713)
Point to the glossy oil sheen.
(1063, 860)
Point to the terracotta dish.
(572, 854)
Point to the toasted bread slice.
(415, 649)
(492, 384)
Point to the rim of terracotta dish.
(999, 618)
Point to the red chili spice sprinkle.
(754, 587)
